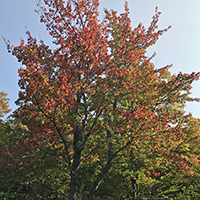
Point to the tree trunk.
(75, 165)
(134, 186)
(105, 169)
(99, 179)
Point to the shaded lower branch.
(52, 188)
(88, 154)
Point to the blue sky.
(180, 46)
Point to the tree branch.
(52, 188)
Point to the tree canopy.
(97, 119)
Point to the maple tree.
(93, 99)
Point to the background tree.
(95, 101)
(4, 107)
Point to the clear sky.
(180, 46)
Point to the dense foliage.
(96, 119)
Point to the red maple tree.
(97, 95)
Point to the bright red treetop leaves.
(97, 95)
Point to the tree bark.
(105, 169)
(75, 165)
(99, 179)
(134, 186)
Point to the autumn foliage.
(4, 107)
(95, 98)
